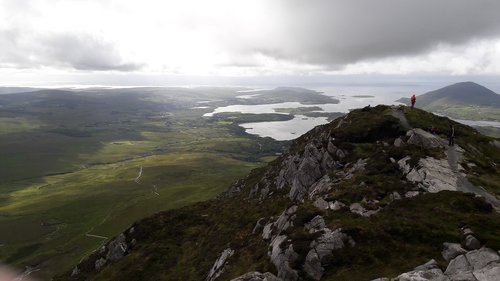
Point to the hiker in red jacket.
(413, 100)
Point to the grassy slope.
(471, 112)
(183, 244)
(484, 157)
(68, 168)
(489, 131)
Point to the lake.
(349, 97)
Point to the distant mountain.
(464, 93)
(14, 90)
(465, 100)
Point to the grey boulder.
(452, 250)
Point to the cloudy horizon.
(117, 42)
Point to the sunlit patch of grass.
(10, 125)
(105, 199)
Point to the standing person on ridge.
(413, 99)
(451, 141)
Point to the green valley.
(79, 166)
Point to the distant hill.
(14, 90)
(465, 100)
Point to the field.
(78, 167)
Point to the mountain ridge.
(361, 197)
(463, 93)
(464, 100)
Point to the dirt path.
(465, 185)
(137, 179)
(96, 236)
(397, 112)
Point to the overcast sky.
(51, 41)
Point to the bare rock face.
(75, 271)
(316, 224)
(491, 272)
(337, 205)
(471, 242)
(426, 266)
(100, 263)
(305, 174)
(395, 196)
(218, 267)
(398, 142)
(322, 248)
(322, 186)
(320, 203)
(459, 266)
(309, 170)
(284, 221)
(257, 276)
(117, 248)
(425, 275)
(258, 225)
(357, 208)
(477, 265)
(282, 257)
(452, 250)
(482, 257)
(428, 271)
(411, 194)
(432, 174)
(422, 138)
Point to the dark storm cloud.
(78, 51)
(336, 32)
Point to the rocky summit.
(370, 196)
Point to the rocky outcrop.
(480, 265)
(99, 263)
(259, 225)
(337, 205)
(452, 250)
(398, 142)
(322, 186)
(320, 203)
(282, 253)
(432, 175)
(482, 257)
(428, 271)
(309, 169)
(477, 265)
(75, 271)
(304, 174)
(117, 248)
(257, 276)
(218, 267)
(357, 208)
(471, 243)
(285, 220)
(282, 256)
(434, 274)
(323, 247)
(315, 225)
(424, 139)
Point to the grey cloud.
(84, 52)
(77, 51)
(337, 32)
